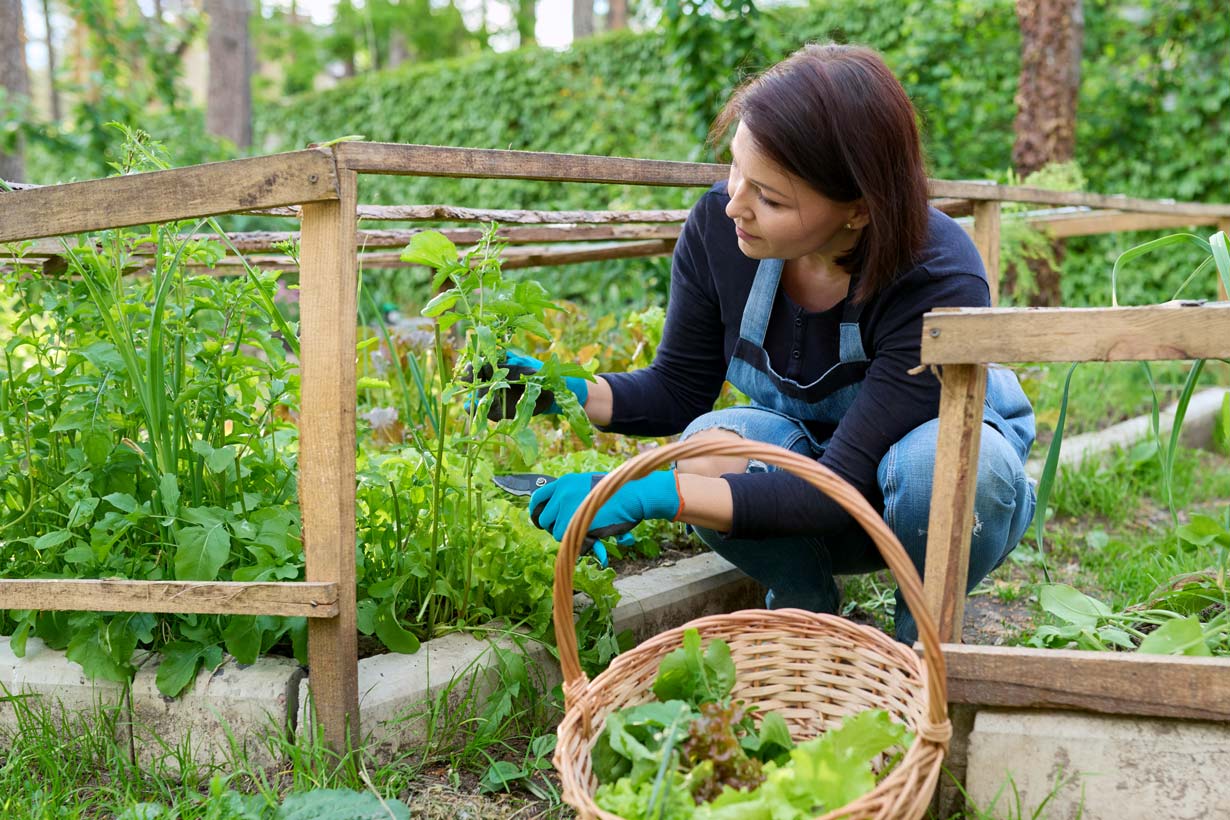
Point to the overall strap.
(850, 344)
(760, 301)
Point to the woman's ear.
(858, 216)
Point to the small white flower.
(381, 418)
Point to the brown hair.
(835, 116)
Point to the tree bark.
(14, 78)
(1052, 34)
(53, 90)
(582, 18)
(229, 97)
(617, 17)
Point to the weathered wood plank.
(1175, 330)
(513, 258)
(1063, 226)
(312, 600)
(1016, 193)
(441, 161)
(161, 196)
(986, 239)
(328, 331)
(952, 495)
(953, 207)
(452, 213)
(544, 257)
(1107, 682)
(258, 241)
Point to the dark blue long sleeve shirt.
(710, 282)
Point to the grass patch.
(484, 754)
(1105, 393)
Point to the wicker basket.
(813, 669)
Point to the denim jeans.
(799, 570)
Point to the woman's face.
(779, 216)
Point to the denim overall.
(799, 570)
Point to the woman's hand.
(519, 365)
(654, 496)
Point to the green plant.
(1217, 250)
(145, 437)
(708, 42)
(1221, 427)
(1188, 617)
(1022, 245)
(149, 432)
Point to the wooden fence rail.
(319, 187)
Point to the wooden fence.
(320, 188)
(963, 341)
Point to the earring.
(849, 227)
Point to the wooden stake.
(986, 237)
(328, 332)
(952, 496)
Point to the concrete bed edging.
(244, 704)
(400, 694)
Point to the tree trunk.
(14, 78)
(582, 19)
(398, 51)
(53, 90)
(525, 13)
(228, 111)
(617, 17)
(1052, 34)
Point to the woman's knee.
(713, 466)
(906, 476)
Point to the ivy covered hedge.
(618, 94)
(1152, 119)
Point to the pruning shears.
(525, 484)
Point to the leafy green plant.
(696, 753)
(146, 437)
(1186, 618)
(707, 42)
(1022, 245)
(150, 432)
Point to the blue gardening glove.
(654, 496)
(519, 365)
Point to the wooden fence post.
(327, 330)
(986, 238)
(952, 495)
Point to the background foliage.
(1150, 122)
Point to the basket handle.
(819, 476)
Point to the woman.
(803, 280)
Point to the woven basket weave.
(813, 669)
